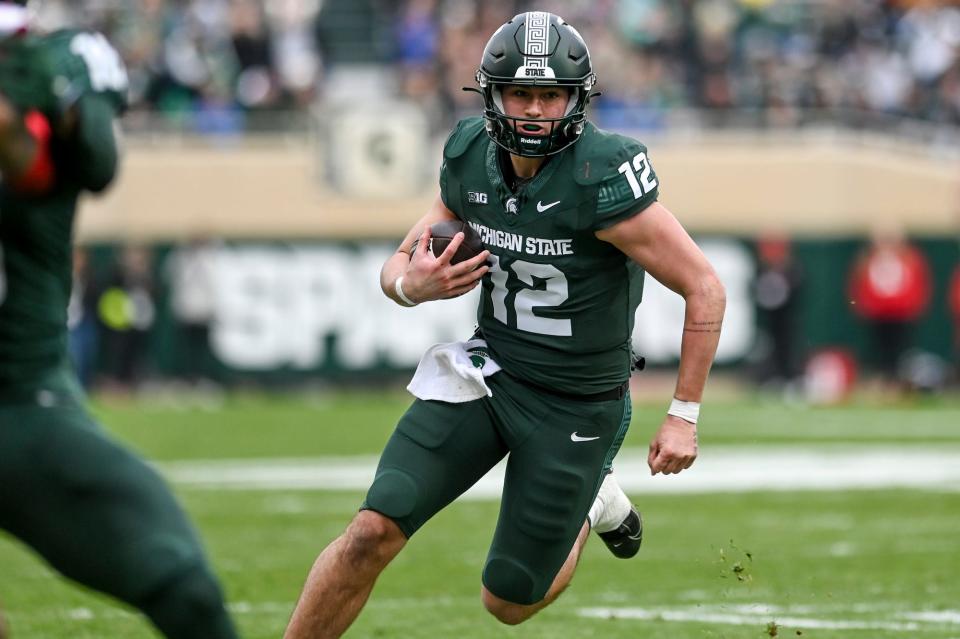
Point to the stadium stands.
(213, 63)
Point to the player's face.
(535, 103)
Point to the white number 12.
(642, 166)
(554, 293)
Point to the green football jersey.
(36, 231)
(557, 307)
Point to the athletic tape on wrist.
(687, 411)
(399, 288)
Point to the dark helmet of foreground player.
(535, 48)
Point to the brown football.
(441, 234)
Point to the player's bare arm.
(426, 277)
(655, 240)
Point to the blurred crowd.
(136, 316)
(218, 61)
(890, 287)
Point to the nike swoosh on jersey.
(541, 207)
(577, 438)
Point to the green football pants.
(559, 450)
(100, 515)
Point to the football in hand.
(442, 233)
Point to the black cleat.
(624, 542)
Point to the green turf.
(849, 556)
(356, 423)
(866, 556)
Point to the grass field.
(868, 564)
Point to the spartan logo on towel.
(479, 356)
(536, 48)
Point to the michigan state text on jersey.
(89, 507)
(570, 219)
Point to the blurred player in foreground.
(570, 218)
(92, 509)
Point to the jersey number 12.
(640, 165)
(554, 293)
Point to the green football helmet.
(535, 48)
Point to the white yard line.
(832, 617)
(719, 469)
(759, 615)
(694, 616)
(936, 616)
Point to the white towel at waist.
(454, 372)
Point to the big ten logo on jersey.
(104, 65)
(475, 197)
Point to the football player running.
(93, 510)
(571, 220)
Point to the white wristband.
(398, 287)
(687, 411)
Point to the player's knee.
(393, 493)
(511, 582)
(505, 612)
(372, 539)
(190, 606)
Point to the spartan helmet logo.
(511, 206)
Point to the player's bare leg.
(512, 613)
(343, 576)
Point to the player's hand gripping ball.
(442, 233)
